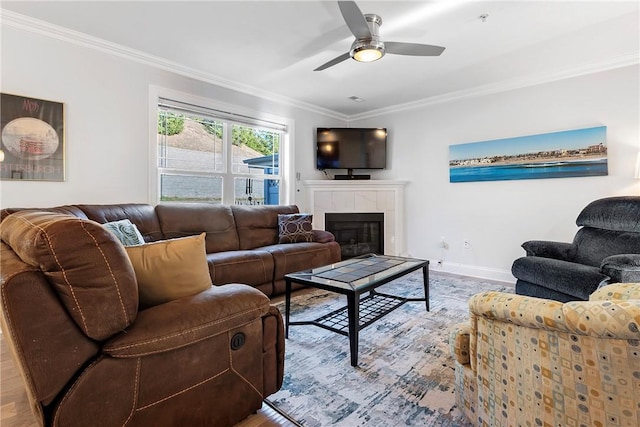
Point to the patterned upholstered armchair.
(537, 362)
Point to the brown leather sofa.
(90, 356)
(241, 241)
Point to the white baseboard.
(473, 271)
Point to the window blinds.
(210, 113)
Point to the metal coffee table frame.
(359, 312)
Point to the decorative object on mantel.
(32, 139)
(573, 153)
(405, 374)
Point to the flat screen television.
(351, 148)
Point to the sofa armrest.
(617, 292)
(323, 236)
(547, 249)
(519, 310)
(623, 268)
(599, 319)
(188, 320)
(605, 319)
(459, 342)
(273, 350)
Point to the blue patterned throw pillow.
(126, 232)
(294, 228)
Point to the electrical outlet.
(467, 244)
(443, 242)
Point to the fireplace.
(357, 233)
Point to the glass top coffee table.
(353, 278)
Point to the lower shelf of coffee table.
(372, 307)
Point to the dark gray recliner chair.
(605, 250)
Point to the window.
(210, 155)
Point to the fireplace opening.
(357, 233)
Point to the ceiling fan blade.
(355, 19)
(334, 61)
(414, 49)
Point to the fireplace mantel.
(385, 196)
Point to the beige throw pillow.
(170, 269)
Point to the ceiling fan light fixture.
(367, 55)
(368, 45)
(367, 51)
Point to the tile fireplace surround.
(367, 196)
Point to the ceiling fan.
(368, 46)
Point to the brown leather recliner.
(90, 357)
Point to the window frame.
(286, 150)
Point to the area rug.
(405, 375)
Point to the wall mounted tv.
(351, 148)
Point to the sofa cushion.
(594, 245)
(300, 256)
(258, 225)
(189, 320)
(140, 214)
(84, 263)
(170, 269)
(295, 228)
(187, 219)
(65, 209)
(566, 277)
(126, 232)
(254, 267)
(612, 213)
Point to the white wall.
(106, 101)
(106, 105)
(498, 216)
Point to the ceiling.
(271, 47)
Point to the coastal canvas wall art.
(572, 153)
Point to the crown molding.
(626, 60)
(46, 29)
(37, 26)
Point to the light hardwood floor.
(15, 411)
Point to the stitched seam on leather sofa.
(218, 264)
(113, 277)
(136, 389)
(62, 270)
(71, 390)
(238, 373)
(306, 251)
(26, 270)
(195, 233)
(181, 391)
(180, 345)
(206, 325)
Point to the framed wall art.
(32, 139)
(572, 153)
